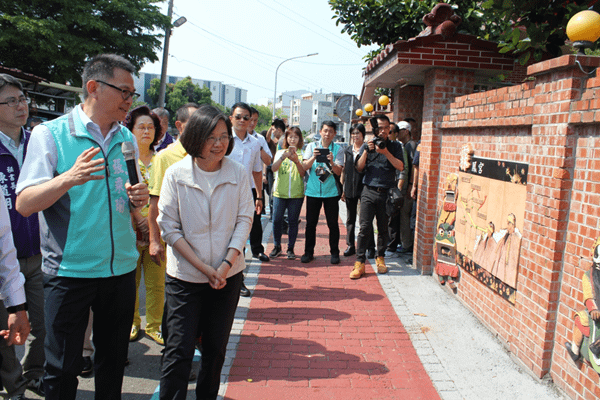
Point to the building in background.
(225, 95)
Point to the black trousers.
(372, 204)
(332, 210)
(190, 308)
(394, 233)
(67, 307)
(256, 232)
(351, 207)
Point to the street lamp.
(275, 90)
(583, 29)
(163, 73)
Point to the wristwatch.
(17, 308)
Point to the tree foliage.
(384, 22)
(54, 38)
(534, 26)
(182, 92)
(524, 27)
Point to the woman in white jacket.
(206, 211)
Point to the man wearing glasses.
(14, 111)
(75, 175)
(246, 151)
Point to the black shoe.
(402, 250)
(350, 251)
(192, 376)
(88, 367)
(18, 397)
(370, 253)
(335, 259)
(261, 257)
(306, 258)
(244, 291)
(37, 386)
(573, 356)
(276, 251)
(291, 255)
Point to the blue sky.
(241, 42)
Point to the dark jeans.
(313, 209)
(372, 204)
(67, 307)
(256, 232)
(351, 207)
(189, 308)
(293, 207)
(394, 232)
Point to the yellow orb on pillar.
(359, 112)
(384, 100)
(584, 26)
(368, 107)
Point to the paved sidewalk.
(312, 333)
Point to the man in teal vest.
(75, 175)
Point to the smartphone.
(323, 153)
(292, 149)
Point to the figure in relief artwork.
(586, 332)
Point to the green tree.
(180, 93)
(534, 26)
(54, 38)
(384, 22)
(265, 117)
(524, 27)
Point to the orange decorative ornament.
(384, 100)
(368, 107)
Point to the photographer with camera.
(322, 160)
(379, 159)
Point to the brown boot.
(381, 267)
(358, 271)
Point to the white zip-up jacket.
(210, 224)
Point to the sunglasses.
(245, 117)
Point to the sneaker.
(402, 250)
(156, 336)
(135, 333)
(335, 258)
(291, 255)
(350, 251)
(358, 271)
(87, 367)
(390, 254)
(37, 386)
(276, 251)
(306, 258)
(381, 267)
(370, 253)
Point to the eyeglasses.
(13, 101)
(213, 140)
(245, 117)
(126, 94)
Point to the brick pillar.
(441, 87)
(558, 82)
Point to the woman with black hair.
(205, 215)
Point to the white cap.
(404, 125)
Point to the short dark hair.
(296, 131)
(253, 111)
(330, 124)
(394, 128)
(360, 128)
(9, 80)
(241, 104)
(102, 67)
(183, 113)
(140, 111)
(278, 123)
(383, 117)
(201, 124)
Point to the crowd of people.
(105, 195)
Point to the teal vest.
(88, 233)
(316, 188)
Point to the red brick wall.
(553, 124)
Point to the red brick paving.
(312, 333)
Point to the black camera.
(380, 142)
